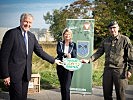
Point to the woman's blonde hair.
(67, 30)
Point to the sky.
(11, 10)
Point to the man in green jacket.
(118, 62)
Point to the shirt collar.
(22, 31)
(115, 38)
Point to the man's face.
(114, 30)
(26, 23)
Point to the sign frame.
(82, 78)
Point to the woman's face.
(67, 36)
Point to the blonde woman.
(65, 49)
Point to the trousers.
(116, 77)
(65, 77)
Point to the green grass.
(47, 71)
(49, 80)
(98, 71)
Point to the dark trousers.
(18, 90)
(65, 78)
(113, 76)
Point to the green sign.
(83, 36)
(72, 64)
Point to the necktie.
(26, 42)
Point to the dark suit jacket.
(60, 50)
(13, 57)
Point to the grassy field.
(47, 71)
(48, 74)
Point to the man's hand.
(58, 62)
(85, 60)
(7, 81)
(128, 74)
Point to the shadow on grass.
(44, 84)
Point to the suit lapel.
(21, 38)
(70, 47)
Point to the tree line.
(103, 11)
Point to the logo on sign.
(83, 48)
(86, 26)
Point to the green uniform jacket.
(118, 52)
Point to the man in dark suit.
(16, 57)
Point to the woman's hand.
(68, 55)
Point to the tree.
(119, 10)
(103, 12)
(78, 9)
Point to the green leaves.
(78, 9)
(119, 10)
(103, 11)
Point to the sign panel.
(71, 64)
(83, 36)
